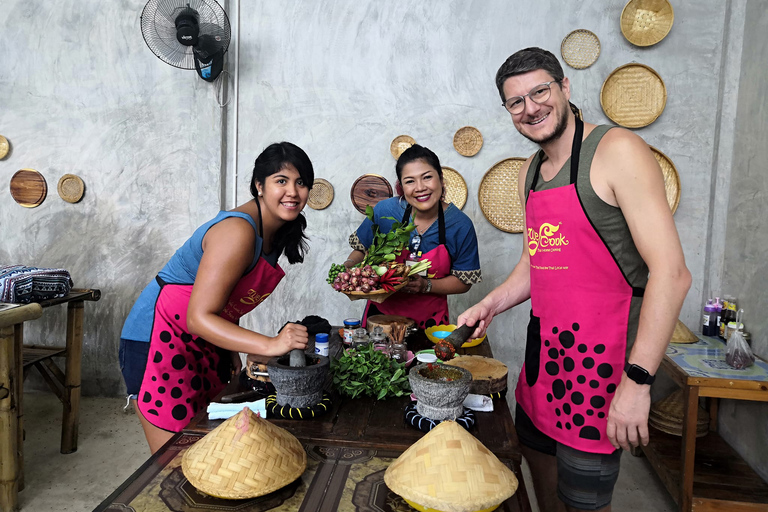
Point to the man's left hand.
(628, 414)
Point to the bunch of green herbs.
(386, 246)
(363, 371)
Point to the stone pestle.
(446, 349)
(298, 358)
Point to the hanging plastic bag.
(738, 354)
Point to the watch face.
(637, 374)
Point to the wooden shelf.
(722, 480)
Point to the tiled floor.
(112, 446)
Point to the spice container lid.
(350, 322)
(321, 338)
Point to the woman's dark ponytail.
(290, 238)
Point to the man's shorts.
(133, 362)
(584, 480)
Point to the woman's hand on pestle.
(293, 336)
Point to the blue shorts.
(585, 480)
(133, 361)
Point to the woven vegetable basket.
(455, 187)
(580, 49)
(377, 296)
(400, 144)
(633, 95)
(467, 141)
(671, 178)
(646, 22)
(321, 194)
(498, 196)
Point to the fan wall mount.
(188, 34)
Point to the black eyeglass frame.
(549, 88)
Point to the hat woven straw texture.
(671, 178)
(683, 334)
(633, 95)
(646, 22)
(468, 141)
(498, 196)
(667, 415)
(455, 187)
(450, 470)
(4, 146)
(400, 144)
(580, 49)
(71, 188)
(244, 457)
(321, 194)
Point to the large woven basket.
(633, 95)
(667, 416)
(580, 49)
(498, 196)
(244, 457)
(400, 144)
(321, 194)
(455, 187)
(377, 296)
(646, 22)
(450, 470)
(467, 141)
(671, 178)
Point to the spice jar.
(321, 344)
(350, 324)
(360, 338)
(398, 352)
(379, 339)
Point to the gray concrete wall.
(745, 425)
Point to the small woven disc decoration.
(321, 194)
(671, 178)
(580, 49)
(498, 196)
(244, 457)
(646, 22)
(450, 470)
(400, 144)
(4, 147)
(455, 187)
(633, 95)
(275, 410)
(71, 188)
(468, 141)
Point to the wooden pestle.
(446, 349)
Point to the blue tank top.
(180, 269)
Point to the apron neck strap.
(440, 221)
(575, 152)
(261, 228)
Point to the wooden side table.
(708, 475)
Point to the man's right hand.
(292, 336)
(479, 315)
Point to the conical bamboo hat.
(683, 334)
(244, 457)
(450, 470)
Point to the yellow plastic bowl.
(422, 508)
(430, 332)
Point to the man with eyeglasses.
(605, 272)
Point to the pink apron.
(577, 334)
(184, 373)
(425, 309)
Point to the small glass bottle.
(379, 339)
(350, 324)
(360, 338)
(321, 344)
(398, 352)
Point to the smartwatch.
(428, 288)
(638, 374)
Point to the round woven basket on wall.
(633, 95)
(467, 141)
(646, 22)
(321, 194)
(671, 178)
(400, 144)
(580, 49)
(455, 187)
(71, 188)
(4, 147)
(498, 196)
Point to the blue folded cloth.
(219, 411)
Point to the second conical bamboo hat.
(450, 470)
(244, 457)
(683, 334)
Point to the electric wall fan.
(187, 34)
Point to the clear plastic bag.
(738, 354)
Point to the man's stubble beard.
(562, 124)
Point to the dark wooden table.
(351, 446)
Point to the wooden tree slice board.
(28, 188)
(488, 375)
(386, 322)
(369, 189)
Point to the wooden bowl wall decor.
(28, 188)
(369, 189)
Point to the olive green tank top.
(608, 220)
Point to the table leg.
(8, 464)
(18, 334)
(72, 372)
(690, 416)
(713, 407)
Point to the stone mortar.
(438, 399)
(299, 386)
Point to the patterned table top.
(706, 358)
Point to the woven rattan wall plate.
(455, 187)
(646, 22)
(400, 144)
(498, 196)
(71, 188)
(468, 141)
(671, 178)
(580, 49)
(321, 194)
(369, 189)
(4, 147)
(28, 188)
(633, 95)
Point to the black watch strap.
(638, 374)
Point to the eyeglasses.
(539, 94)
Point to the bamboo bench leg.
(72, 372)
(8, 463)
(18, 333)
